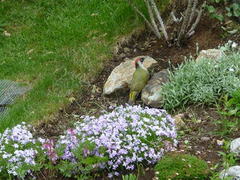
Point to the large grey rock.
(235, 146)
(213, 54)
(121, 76)
(151, 92)
(233, 172)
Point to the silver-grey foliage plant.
(202, 82)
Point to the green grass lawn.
(55, 45)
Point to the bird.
(139, 80)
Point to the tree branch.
(195, 2)
(151, 15)
(159, 18)
(145, 19)
(185, 21)
(190, 32)
(175, 19)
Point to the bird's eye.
(142, 59)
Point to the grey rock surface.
(151, 92)
(235, 146)
(233, 172)
(213, 54)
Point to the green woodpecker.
(139, 80)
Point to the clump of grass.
(201, 82)
(181, 166)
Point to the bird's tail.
(132, 97)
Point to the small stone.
(205, 139)
(235, 146)
(122, 55)
(121, 76)
(234, 45)
(198, 152)
(42, 131)
(126, 50)
(179, 120)
(213, 54)
(220, 142)
(95, 89)
(233, 172)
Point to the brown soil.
(197, 138)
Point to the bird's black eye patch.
(142, 59)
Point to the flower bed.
(116, 141)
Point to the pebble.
(126, 50)
(205, 139)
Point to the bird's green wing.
(139, 80)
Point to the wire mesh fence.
(9, 91)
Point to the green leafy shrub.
(232, 104)
(181, 166)
(201, 82)
(231, 9)
(84, 162)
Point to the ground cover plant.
(54, 46)
(20, 153)
(231, 9)
(232, 104)
(130, 135)
(114, 142)
(202, 82)
(181, 166)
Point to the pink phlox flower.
(71, 131)
(49, 147)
